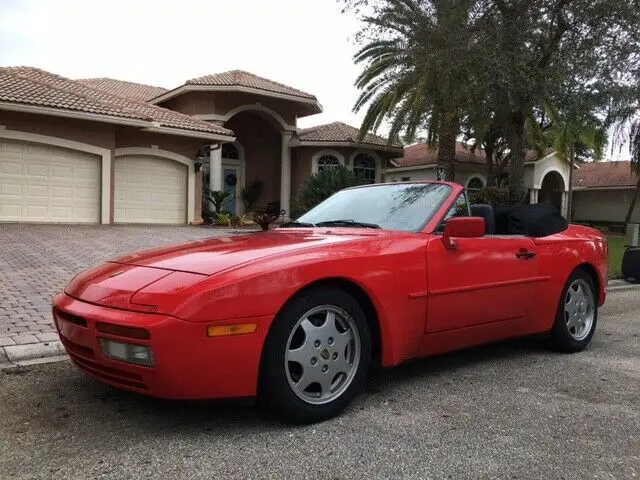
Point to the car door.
(485, 279)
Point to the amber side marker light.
(128, 332)
(226, 330)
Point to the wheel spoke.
(570, 306)
(325, 383)
(340, 365)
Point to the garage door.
(41, 183)
(150, 190)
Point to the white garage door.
(150, 190)
(41, 183)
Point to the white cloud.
(306, 44)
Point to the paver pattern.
(37, 261)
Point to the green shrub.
(322, 185)
(218, 198)
(224, 219)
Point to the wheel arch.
(364, 300)
(590, 270)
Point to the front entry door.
(230, 184)
(484, 280)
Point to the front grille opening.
(70, 317)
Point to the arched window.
(327, 161)
(229, 150)
(364, 165)
(474, 185)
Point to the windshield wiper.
(296, 224)
(346, 223)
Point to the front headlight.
(127, 352)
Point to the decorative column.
(533, 196)
(285, 175)
(215, 169)
(564, 204)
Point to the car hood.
(116, 282)
(214, 255)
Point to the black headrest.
(486, 212)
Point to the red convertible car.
(296, 316)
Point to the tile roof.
(32, 86)
(421, 154)
(341, 132)
(135, 91)
(604, 175)
(240, 78)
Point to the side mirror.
(462, 227)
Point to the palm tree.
(409, 77)
(574, 135)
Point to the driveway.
(37, 261)
(514, 410)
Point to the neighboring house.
(602, 190)
(108, 151)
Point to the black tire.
(561, 338)
(274, 388)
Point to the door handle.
(525, 254)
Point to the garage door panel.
(149, 190)
(10, 166)
(48, 184)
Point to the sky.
(306, 44)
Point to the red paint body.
(427, 298)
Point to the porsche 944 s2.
(297, 315)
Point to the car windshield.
(393, 206)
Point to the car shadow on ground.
(80, 398)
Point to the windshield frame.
(428, 219)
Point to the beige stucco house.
(602, 191)
(109, 151)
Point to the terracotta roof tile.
(32, 86)
(240, 78)
(605, 174)
(341, 132)
(135, 91)
(422, 154)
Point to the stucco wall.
(603, 205)
(94, 133)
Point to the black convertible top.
(537, 220)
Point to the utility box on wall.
(633, 234)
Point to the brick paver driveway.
(37, 261)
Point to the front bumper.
(188, 364)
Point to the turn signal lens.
(128, 332)
(226, 330)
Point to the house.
(602, 191)
(109, 151)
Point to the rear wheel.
(577, 314)
(316, 356)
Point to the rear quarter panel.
(558, 256)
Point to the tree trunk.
(516, 159)
(634, 200)
(447, 145)
(570, 189)
(488, 151)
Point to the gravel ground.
(512, 410)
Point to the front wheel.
(577, 314)
(316, 356)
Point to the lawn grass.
(616, 251)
